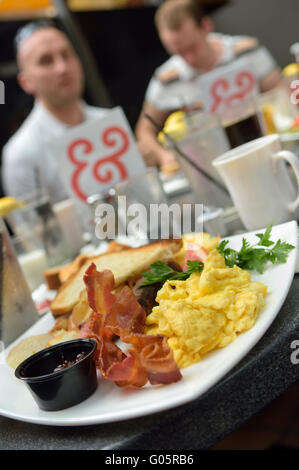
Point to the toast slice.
(57, 275)
(26, 347)
(124, 265)
(71, 268)
(51, 276)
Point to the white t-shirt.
(183, 86)
(25, 157)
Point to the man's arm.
(273, 80)
(146, 134)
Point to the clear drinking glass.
(242, 121)
(17, 309)
(38, 217)
(204, 140)
(138, 201)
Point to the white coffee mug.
(259, 181)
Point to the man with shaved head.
(50, 70)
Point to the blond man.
(194, 49)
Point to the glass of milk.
(32, 257)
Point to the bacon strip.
(126, 315)
(156, 357)
(99, 286)
(123, 370)
(149, 358)
(194, 252)
(92, 329)
(110, 355)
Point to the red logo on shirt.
(99, 172)
(244, 83)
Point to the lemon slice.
(175, 126)
(9, 204)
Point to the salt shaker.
(17, 309)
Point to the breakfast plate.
(110, 403)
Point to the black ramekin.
(55, 391)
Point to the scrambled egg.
(207, 311)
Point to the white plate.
(111, 403)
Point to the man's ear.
(24, 82)
(207, 24)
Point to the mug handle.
(292, 159)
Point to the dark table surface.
(265, 373)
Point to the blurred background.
(118, 34)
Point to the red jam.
(66, 363)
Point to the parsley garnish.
(255, 257)
(160, 272)
(250, 257)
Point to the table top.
(265, 373)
